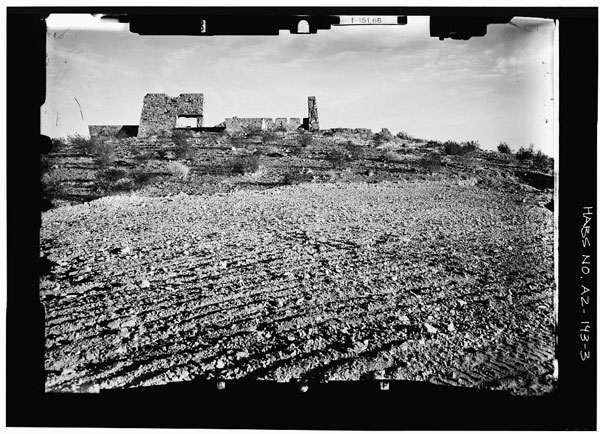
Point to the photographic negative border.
(343, 405)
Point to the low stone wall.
(108, 131)
(240, 125)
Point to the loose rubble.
(423, 280)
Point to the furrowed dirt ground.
(438, 280)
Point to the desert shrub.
(103, 154)
(268, 137)
(541, 160)
(177, 168)
(83, 145)
(141, 157)
(45, 163)
(431, 162)
(332, 175)
(470, 146)
(355, 152)
(243, 164)
(305, 140)
(338, 158)
(392, 157)
(112, 179)
(269, 151)
(58, 144)
(162, 153)
(453, 148)
(183, 147)
(524, 154)
(140, 177)
(379, 138)
(295, 150)
(468, 161)
(503, 148)
(404, 135)
(294, 177)
(51, 185)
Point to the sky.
(495, 88)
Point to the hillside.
(77, 172)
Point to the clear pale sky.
(491, 89)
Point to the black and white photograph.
(364, 202)
(303, 200)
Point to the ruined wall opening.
(188, 121)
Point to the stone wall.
(365, 131)
(111, 131)
(160, 112)
(243, 125)
(294, 124)
(313, 115)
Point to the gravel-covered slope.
(417, 280)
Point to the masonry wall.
(111, 131)
(160, 112)
(313, 115)
(239, 125)
(99, 131)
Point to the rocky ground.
(441, 277)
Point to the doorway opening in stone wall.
(188, 121)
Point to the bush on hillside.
(524, 154)
(177, 168)
(83, 145)
(392, 157)
(338, 158)
(58, 144)
(404, 135)
(103, 154)
(503, 148)
(243, 164)
(305, 140)
(431, 162)
(541, 160)
(112, 179)
(354, 152)
(183, 147)
(454, 148)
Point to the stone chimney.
(313, 115)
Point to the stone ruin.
(162, 114)
(118, 131)
(313, 116)
(311, 123)
(239, 125)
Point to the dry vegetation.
(81, 169)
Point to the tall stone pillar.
(313, 115)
